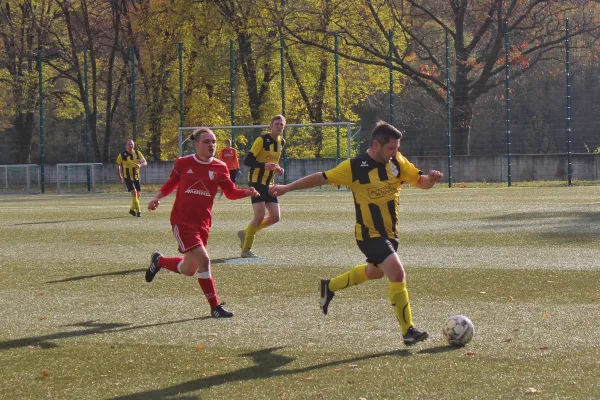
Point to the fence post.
(449, 110)
(42, 147)
(87, 115)
(391, 71)
(568, 82)
(282, 69)
(133, 109)
(232, 90)
(507, 100)
(337, 92)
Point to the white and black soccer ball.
(458, 330)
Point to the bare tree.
(476, 29)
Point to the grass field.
(78, 321)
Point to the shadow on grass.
(116, 273)
(268, 365)
(93, 328)
(440, 349)
(129, 272)
(69, 220)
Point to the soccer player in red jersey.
(229, 156)
(197, 178)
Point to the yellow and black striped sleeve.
(408, 172)
(250, 159)
(340, 175)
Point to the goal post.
(79, 177)
(20, 178)
(308, 146)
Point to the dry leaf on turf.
(470, 353)
(545, 348)
(533, 390)
(309, 378)
(200, 347)
(507, 340)
(45, 374)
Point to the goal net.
(309, 147)
(20, 178)
(79, 178)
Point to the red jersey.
(197, 183)
(230, 157)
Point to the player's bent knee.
(373, 272)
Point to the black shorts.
(233, 173)
(131, 184)
(377, 249)
(263, 190)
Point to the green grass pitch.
(78, 321)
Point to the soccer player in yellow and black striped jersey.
(375, 179)
(263, 160)
(128, 167)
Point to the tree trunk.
(462, 115)
(23, 134)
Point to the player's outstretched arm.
(427, 181)
(232, 192)
(310, 181)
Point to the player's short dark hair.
(195, 136)
(383, 132)
(278, 116)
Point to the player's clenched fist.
(251, 192)
(278, 190)
(153, 204)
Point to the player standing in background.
(263, 160)
(375, 179)
(229, 156)
(128, 167)
(197, 178)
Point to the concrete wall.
(528, 167)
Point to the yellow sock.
(249, 232)
(133, 199)
(355, 276)
(399, 299)
(137, 204)
(262, 225)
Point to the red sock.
(170, 263)
(208, 287)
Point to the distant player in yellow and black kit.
(128, 167)
(375, 178)
(263, 160)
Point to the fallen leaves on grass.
(309, 378)
(200, 347)
(545, 315)
(507, 340)
(470, 354)
(45, 374)
(533, 391)
(545, 348)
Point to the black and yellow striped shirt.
(264, 150)
(376, 189)
(127, 162)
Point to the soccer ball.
(459, 330)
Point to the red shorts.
(189, 238)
